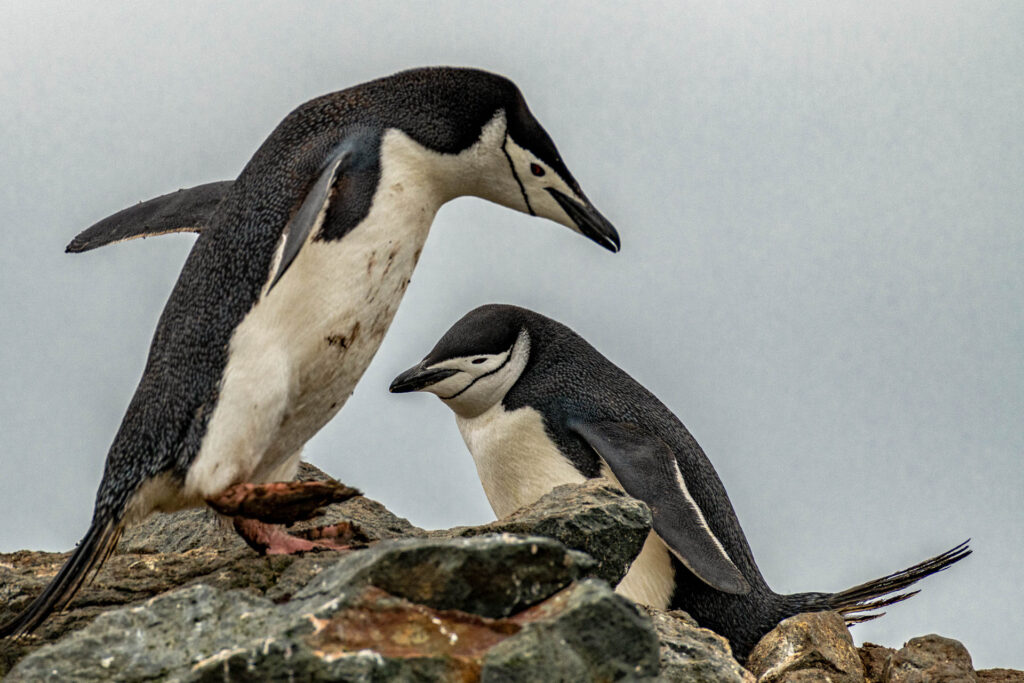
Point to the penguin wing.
(313, 209)
(646, 467)
(186, 210)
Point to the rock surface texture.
(527, 598)
(804, 648)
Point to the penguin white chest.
(518, 463)
(515, 458)
(297, 355)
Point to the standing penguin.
(296, 275)
(539, 407)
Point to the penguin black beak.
(588, 220)
(419, 377)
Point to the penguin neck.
(515, 458)
(480, 170)
(413, 177)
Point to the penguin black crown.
(539, 407)
(296, 275)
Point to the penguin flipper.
(313, 209)
(646, 467)
(186, 210)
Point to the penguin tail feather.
(859, 603)
(89, 556)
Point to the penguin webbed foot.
(283, 502)
(259, 510)
(272, 539)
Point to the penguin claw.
(342, 532)
(282, 502)
(271, 539)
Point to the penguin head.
(511, 160)
(545, 185)
(475, 363)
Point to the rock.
(585, 633)
(343, 626)
(807, 647)
(592, 517)
(190, 547)
(1000, 676)
(381, 637)
(374, 637)
(930, 659)
(180, 532)
(692, 654)
(161, 637)
(129, 579)
(874, 658)
(183, 599)
(493, 575)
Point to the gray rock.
(493, 575)
(368, 636)
(171, 551)
(807, 647)
(403, 609)
(692, 654)
(159, 639)
(874, 658)
(130, 579)
(1000, 676)
(201, 632)
(180, 532)
(593, 517)
(930, 659)
(585, 633)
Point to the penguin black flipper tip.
(186, 210)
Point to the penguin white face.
(544, 192)
(469, 384)
(514, 163)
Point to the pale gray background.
(821, 209)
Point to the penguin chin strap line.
(477, 379)
(515, 175)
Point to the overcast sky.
(822, 214)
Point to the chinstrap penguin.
(539, 407)
(297, 272)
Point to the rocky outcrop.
(356, 621)
(604, 522)
(803, 648)
(693, 654)
(929, 658)
(527, 598)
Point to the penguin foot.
(272, 539)
(282, 502)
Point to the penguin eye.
(478, 361)
(537, 170)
